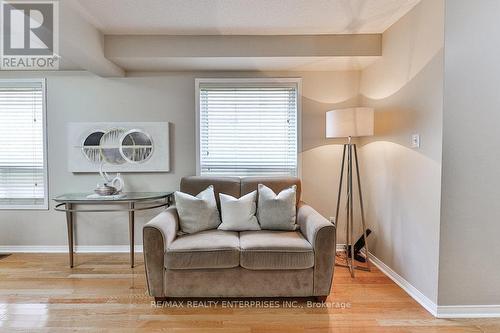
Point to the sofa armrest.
(157, 235)
(321, 234)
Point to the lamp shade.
(349, 122)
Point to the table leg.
(131, 220)
(69, 222)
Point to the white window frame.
(45, 205)
(277, 80)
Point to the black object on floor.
(360, 243)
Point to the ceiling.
(244, 17)
(256, 35)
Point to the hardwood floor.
(39, 293)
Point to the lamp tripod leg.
(340, 185)
(363, 224)
(351, 212)
(348, 230)
(343, 170)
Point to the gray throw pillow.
(197, 213)
(238, 214)
(277, 212)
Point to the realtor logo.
(30, 35)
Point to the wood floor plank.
(39, 293)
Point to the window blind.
(248, 129)
(22, 162)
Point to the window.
(247, 127)
(23, 163)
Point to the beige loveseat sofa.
(216, 263)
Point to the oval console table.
(148, 200)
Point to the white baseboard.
(79, 248)
(64, 249)
(340, 247)
(468, 311)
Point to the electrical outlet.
(415, 140)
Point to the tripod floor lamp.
(349, 123)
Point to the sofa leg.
(321, 298)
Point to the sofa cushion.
(238, 214)
(277, 211)
(206, 249)
(277, 184)
(275, 250)
(197, 213)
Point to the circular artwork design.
(110, 146)
(91, 147)
(136, 146)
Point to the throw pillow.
(238, 214)
(277, 212)
(197, 213)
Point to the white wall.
(402, 184)
(469, 272)
(79, 96)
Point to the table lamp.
(349, 123)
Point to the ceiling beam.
(163, 46)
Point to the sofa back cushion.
(277, 184)
(227, 185)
